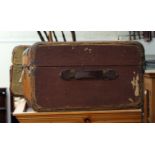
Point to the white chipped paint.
(135, 84)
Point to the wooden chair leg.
(146, 106)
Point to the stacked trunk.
(16, 70)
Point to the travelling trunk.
(84, 76)
(16, 70)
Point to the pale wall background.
(10, 39)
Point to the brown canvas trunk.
(84, 76)
(16, 70)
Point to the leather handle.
(106, 74)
